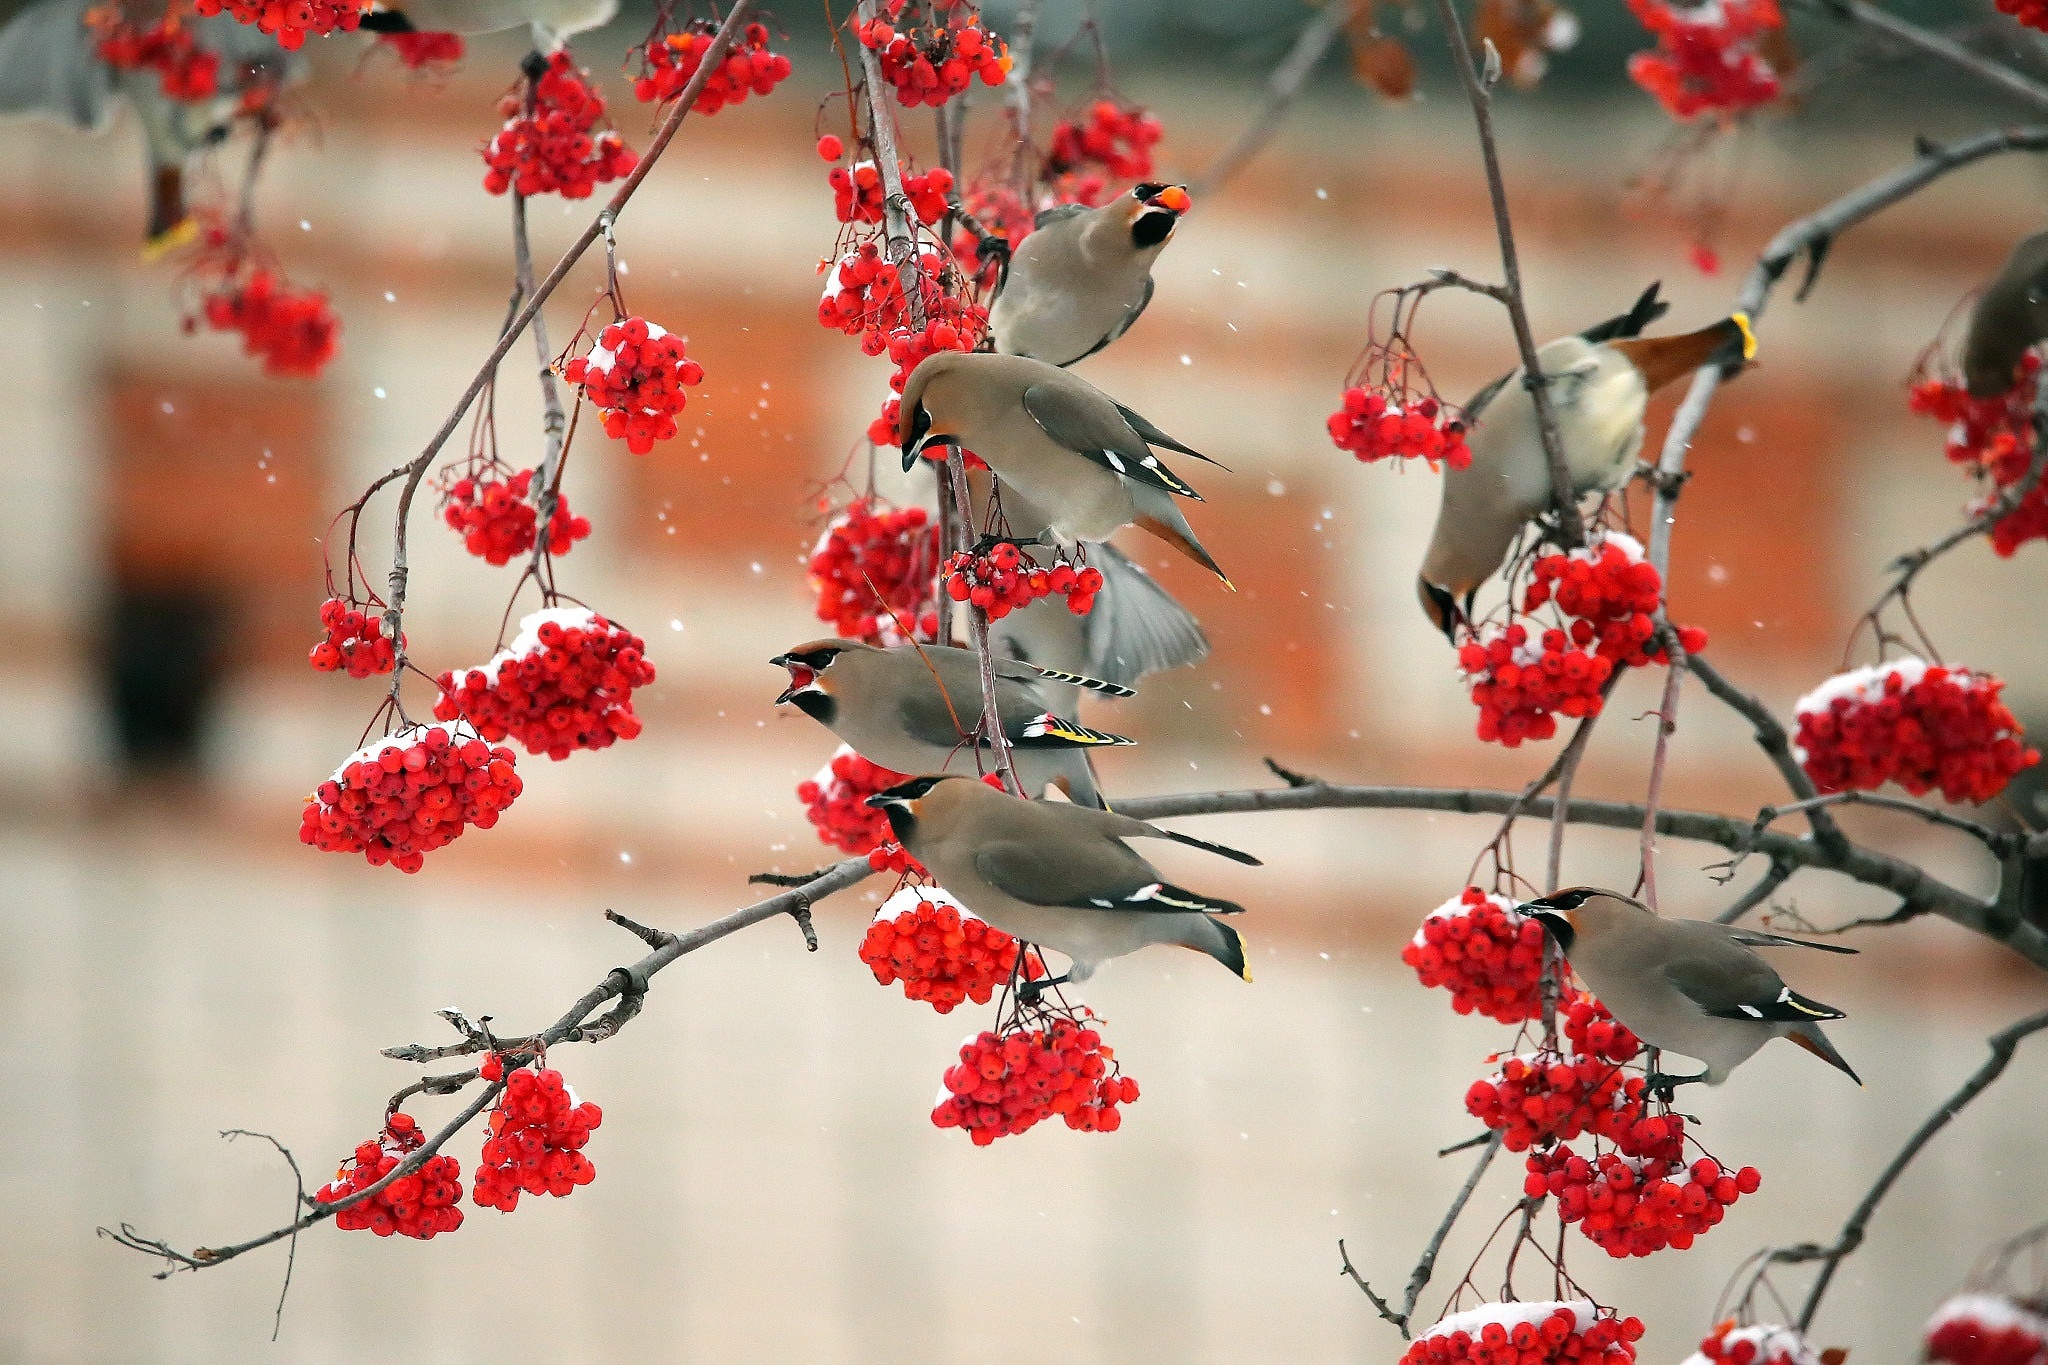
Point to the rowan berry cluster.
(748, 68)
(2032, 13)
(931, 65)
(292, 331)
(564, 683)
(1007, 1082)
(864, 294)
(1609, 594)
(1372, 427)
(1006, 579)
(289, 21)
(942, 952)
(535, 1140)
(836, 803)
(1729, 1344)
(401, 798)
(496, 521)
(1593, 1032)
(417, 51)
(857, 193)
(185, 71)
(1637, 1206)
(420, 1204)
(1993, 438)
(872, 570)
(1710, 59)
(1117, 138)
(1920, 725)
(1488, 957)
(895, 860)
(355, 641)
(1987, 1329)
(1521, 688)
(555, 148)
(636, 374)
(1542, 1097)
(1528, 1334)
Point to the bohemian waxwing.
(1077, 455)
(2009, 317)
(50, 68)
(913, 708)
(1057, 875)
(1599, 383)
(1082, 276)
(551, 20)
(1687, 986)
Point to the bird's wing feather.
(1057, 213)
(1154, 436)
(1477, 403)
(1137, 626)
(1641, 314)
(48, 68)
(1096, 881)
(927, 718)
(1122, 326)
(1031, 675)
(1757, 938)
(1737, 984)
(1080, 426)
(1236, 856)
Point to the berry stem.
(554, 422)
(1418, 1279)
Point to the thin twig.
(1283, 87)
(1418, 1280)
(1667, 722)
(1023, 33)
(2000, 506)
(554, 423)
(1994, 74)
(298, 1202)
(1766, 885)
(2001, 843)
(1776, 743)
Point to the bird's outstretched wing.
(1082, 427)
(1137, 626)
(1097, 879)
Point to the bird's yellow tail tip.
(1748, 337)
(170, 239)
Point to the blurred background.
(176, 963)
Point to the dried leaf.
(1834, 1355)
(1384, 63)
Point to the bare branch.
(1023, 31)
(2001, 843)
(1283, 87)
(1667, 721)
(1777, 876)
(2001, 505)
(1418, 1280)
(1914, 38)
(1773, 739)
(298, 1201)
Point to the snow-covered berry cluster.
(564, 683)
(941, 951)
(857, 192)
(1489, 957)
(931, 65)
(836, 802)
(636, 374)
(292, 330)
(535, 1139)
(491, 512)
(1521, 687)
(1637, 1206)
(1987, 1329)
(1005, 579)
(864, 295)
(289, 21)
(1007, 1082)
(401, 798)
(1518, 1333)
(749, 68)
(1374, 427)
(420, 51)
(355, 643)
(185, 71)
(1608, 593)
(556, 148)
(1920, 725)
(1994, 439)
(872, 571)
(419, 1204)
(1729, 1344)
(1118, 138)
(1710, 59)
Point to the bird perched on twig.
(1058, 875)
(551, 20)
(1082, 276)
(2009, 317)
(1080, 457)
(1687, 986)
(914, 709)
(1598, 384)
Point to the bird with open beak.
(1598, 382)
(1082, 276)
(1058, 875)
(1687, 986)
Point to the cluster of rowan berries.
(636, 374)
(1637, 1206)
(496, 521)
(1117, 138)
(289, 21)
(857, 192)
(1709, 58)
(292, 331)
(931, 65)
(951, 324)
(1729, 1344)
(2032, 13)
(564, 683)
(555, 148)
(419, 1204)
(1987, 1329)
(536, 1136)
(836, 802)
(1609, 594)
(417, 51)
(1920, 725)
(1005, 579)
(184, 70)
(1542, 1097)
(1489, 957)
(942, 952)
(1594, 1032)
(864, 294)
(1518, 1333)
(401, 798)
(1373, 427)
(1007, 1082)
(749, 68)
(872, 571)
(1521, 687)
(355, 643)
(1994, 438)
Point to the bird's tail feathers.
(1221, 849)
(1813, 1040)
(1086, 684)
(1646, 310)
(1156, 514)
(1222, 942)
(1137, 627)
(1049, 731)
(1728, 343)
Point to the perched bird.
(551, 20)
(1082, 276)
(914, 708)
(1688, 986)
(50, 68)
(1077, 455)
(2010, 316)
(1599, 383)
(1057, 875)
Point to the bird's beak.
(1443, 609)
(800, 676)
(1174, 198)
(915, 450)
(883, 801)
(1558, 924)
